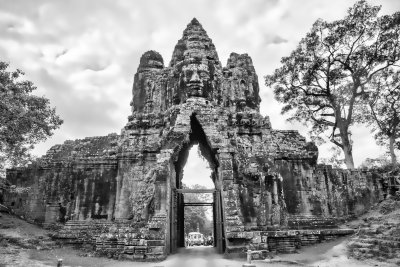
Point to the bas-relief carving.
(195, 78)
(192, 100)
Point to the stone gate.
(121, 192)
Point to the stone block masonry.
(119, 193)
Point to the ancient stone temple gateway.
(123, 193)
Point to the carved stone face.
(195, 77)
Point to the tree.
(381, 161)
(196, 216)
(324, 80)
(25, 119)
(335, 159)
(384, 109)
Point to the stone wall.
(119, 192)
(78, 177)
(303, 196)
(321, 190)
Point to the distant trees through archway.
(197, 175)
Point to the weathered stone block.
(119, 190)
(245, 235)
(235, 228)
(140, 250)
(227, 175)
(226, 164)
(156, 249)
(155, 243)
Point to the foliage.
(381, 161)
(197, 216)
(383, 112)
(324, 80)
(336, 158)
(25, 119)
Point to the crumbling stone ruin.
(378, 236)
(123, 193)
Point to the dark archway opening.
(179, 238)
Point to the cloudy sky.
(82, 55)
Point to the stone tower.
(130, 184)
(193, 101)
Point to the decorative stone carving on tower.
(263, 177)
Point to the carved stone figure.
(259, 173)
(196, 78)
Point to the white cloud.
(83, 54)
(197, 170)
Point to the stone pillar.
(263, 201)
(52, 213)
(163, 196)
(230, 193)
(160, 198)
(275, 191)
(124, 186)
(275, 212)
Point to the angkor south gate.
(123, 193)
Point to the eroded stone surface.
(120, 190)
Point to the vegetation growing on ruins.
(197, 217)
(25, 119)
(325, 80)
(383, 110)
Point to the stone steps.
(370, 247)
(80, 232)
(311, 222)
(308, 240)
(94, 223)
(282, 244)
(371, 242)
(290, 240)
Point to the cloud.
(82, 55)
(274, 39)
(197, 170)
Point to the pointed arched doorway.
(178, 204)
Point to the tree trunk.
(346, 144)
(391, 149)
(348, 156)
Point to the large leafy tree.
(322, 82)
(25, 119)
(197, 217)
(383, 112)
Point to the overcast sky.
(82, 55)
